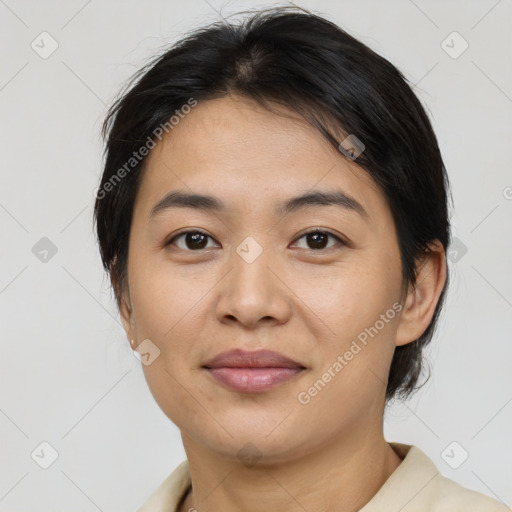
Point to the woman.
(273, 215)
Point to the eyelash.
(313, 231)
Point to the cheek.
(353, 373)
(167, 311)
(344, 300)
(165, 300)
(354, 323)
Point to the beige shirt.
(415, 486)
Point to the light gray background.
(67, 375)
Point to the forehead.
(248, 156)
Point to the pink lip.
(254, 371)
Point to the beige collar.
(415, 486)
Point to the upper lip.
(239, 358)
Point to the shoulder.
(418, 486)
(449, 496)
(169, 493)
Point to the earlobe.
(422, 298)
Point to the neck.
(343, 475)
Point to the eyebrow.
(178, 199)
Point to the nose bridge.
(250, 250)
(250, 260)
(252, 291)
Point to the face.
(318, 282)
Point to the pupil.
(314, 237)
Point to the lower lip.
(252, 380)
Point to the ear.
(124, 304)
(422, 298)
(125, 311)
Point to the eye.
(318, 239)
(195, 240)
(192, 240)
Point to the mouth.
(252, 372)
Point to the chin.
(266, 437)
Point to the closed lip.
(239, 358)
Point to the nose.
(254, 292)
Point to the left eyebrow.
(322, 198)
(178, 199)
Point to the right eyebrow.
(177, 199)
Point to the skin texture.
(306, 303)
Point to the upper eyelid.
(321, 230)
(177, 235)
